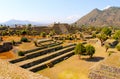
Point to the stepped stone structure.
(109, 68)
(60, 27)
(11, 71)
(39, 58)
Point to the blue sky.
(50, 10)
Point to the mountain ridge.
(105, 17)
(22, 22)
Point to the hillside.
(106, 17)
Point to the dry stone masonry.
(107, 69)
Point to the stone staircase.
(37, 59)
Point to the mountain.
(22, 22)
(106, 17)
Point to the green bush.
(43, 34)
(21, 53)
(23, 32)
(90, 50)
(118, 47)
(80, 49)
(13, 42)
(24, 39)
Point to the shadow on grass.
(94, 59)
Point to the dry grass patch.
(26, 46)
(10, 38)
(7, 55)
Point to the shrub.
(21, 53)
(107, 46)
(118, 47)
(107, 31)
(80, 49)
(90, 50)
(116, 36)
(94, 35)
(102, 38)
(24, 39)
(23, 32)
(13, 42)
(43, 34)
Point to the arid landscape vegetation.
(88, 48)
(69, 54)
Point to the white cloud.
(73, 17)
(108, 6)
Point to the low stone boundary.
(42, 47)
(46, 58)
(53, 62)
(35, 54)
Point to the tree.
(102, 38)
(21, 53)
(90, 50)
(116, 36)
(43, 34)
(17, 32)
(107, 31)
(107, 46)
(23, 32)
(24, 39)
(94, 35)
(118, 47)
(29, 25)
(81, 36)
(3, 33)
(33, 32)
(52, 33)
(80, 49)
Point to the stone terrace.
(107, 69)
(11, 71)
(39, 59)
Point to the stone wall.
(46, 58)
(93, 75)
(53, 62)
(29, 56)
(105, 72)
(6, 47)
